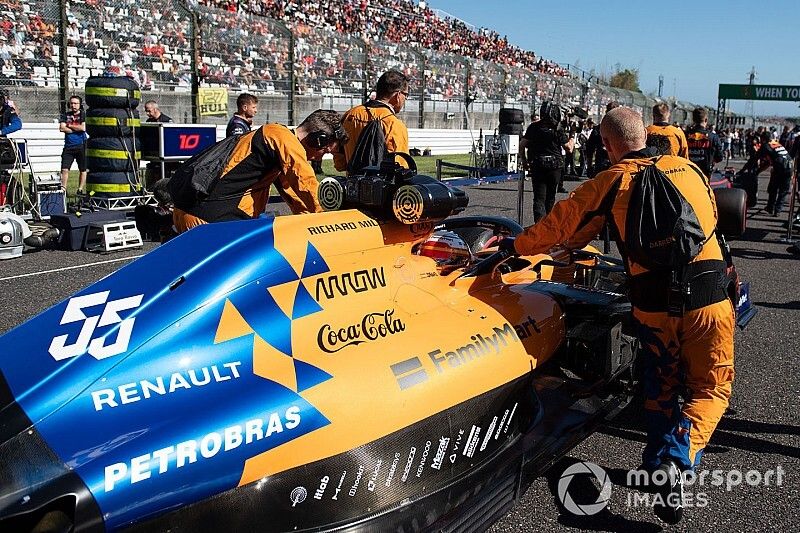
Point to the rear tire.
(731, 211)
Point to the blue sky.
(695, 45)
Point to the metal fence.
(173, 50)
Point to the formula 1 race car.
(339, 370)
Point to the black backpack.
(370, 148)
(194, 180)
(662, 231)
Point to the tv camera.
(392, 192)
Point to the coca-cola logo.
(373, 326)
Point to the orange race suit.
(357, 118)
(689, 355)
(670, 135)
(267, 155)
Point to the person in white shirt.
(583, 137)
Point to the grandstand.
(297, 55)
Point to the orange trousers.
(690, 357)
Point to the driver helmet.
(448, 249)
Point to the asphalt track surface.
(761, 432)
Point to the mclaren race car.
(358, 369)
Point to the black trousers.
(777, 191)
(545, 184)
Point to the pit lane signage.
(786, 93)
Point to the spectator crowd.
(243, 47)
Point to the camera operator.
(542, 147)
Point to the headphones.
(320, 139)
(77, 97)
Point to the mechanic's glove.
(506, 245)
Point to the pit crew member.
(661, 128)
(271, 154)
(693, 351)
(391, 93)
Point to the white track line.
(71, 267)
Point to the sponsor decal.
(456, 444)
(424, 459)
(371, 327)
(501, 425)
(323, 484)
(411, 454)
(488, 435)
(87, 341)
(332, 228)
(339, 486)
(392, 470)
(162, 385)
(354, 488)
(481, 346)
(344, 226)
(410, 372)
(472, 441)
(298, 495)
(441, 451)
(372, 483)
(421, 228)
(526, 328)
(510, 417)
(180, 455)
(330, 287)
(419, 459)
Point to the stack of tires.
(511, 120)
(112, 122)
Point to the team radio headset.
(320, 139)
